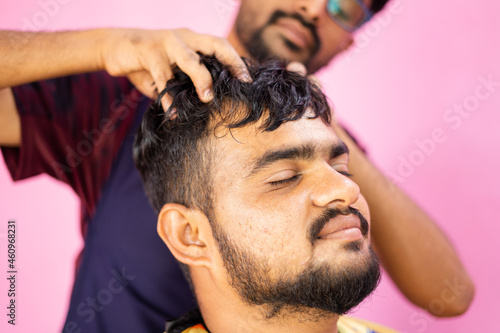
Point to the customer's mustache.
(331, 213)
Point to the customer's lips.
(342, 227)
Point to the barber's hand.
(299, 67)
(147, 58)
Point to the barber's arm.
(416, 254)
(145, 56)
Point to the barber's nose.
(311, 9)
(334, 190)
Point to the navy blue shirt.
(80, 130)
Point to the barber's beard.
(320, 290)
(260, 50)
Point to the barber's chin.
(285, 48)
(292, 53)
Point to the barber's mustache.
(331, 213)
(308, 25)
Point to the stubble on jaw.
(318, 292)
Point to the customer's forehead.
(239, 148)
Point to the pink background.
(393, 88)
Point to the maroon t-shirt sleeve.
(71, 129)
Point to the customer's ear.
(186, 232)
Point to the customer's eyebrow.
(304, 152)
(338, 149)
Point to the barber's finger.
(166, 101)
(224, 52)
(189, 62)
(236, 65)
(161, 74)
(298, 67)
(144, 82)
(159, 68)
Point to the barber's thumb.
(298, 67)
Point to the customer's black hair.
(172, 150)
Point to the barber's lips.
(296, 33)
(342, 227)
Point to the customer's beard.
(320, 290)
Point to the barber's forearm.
(416, 254)
(30, 56)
